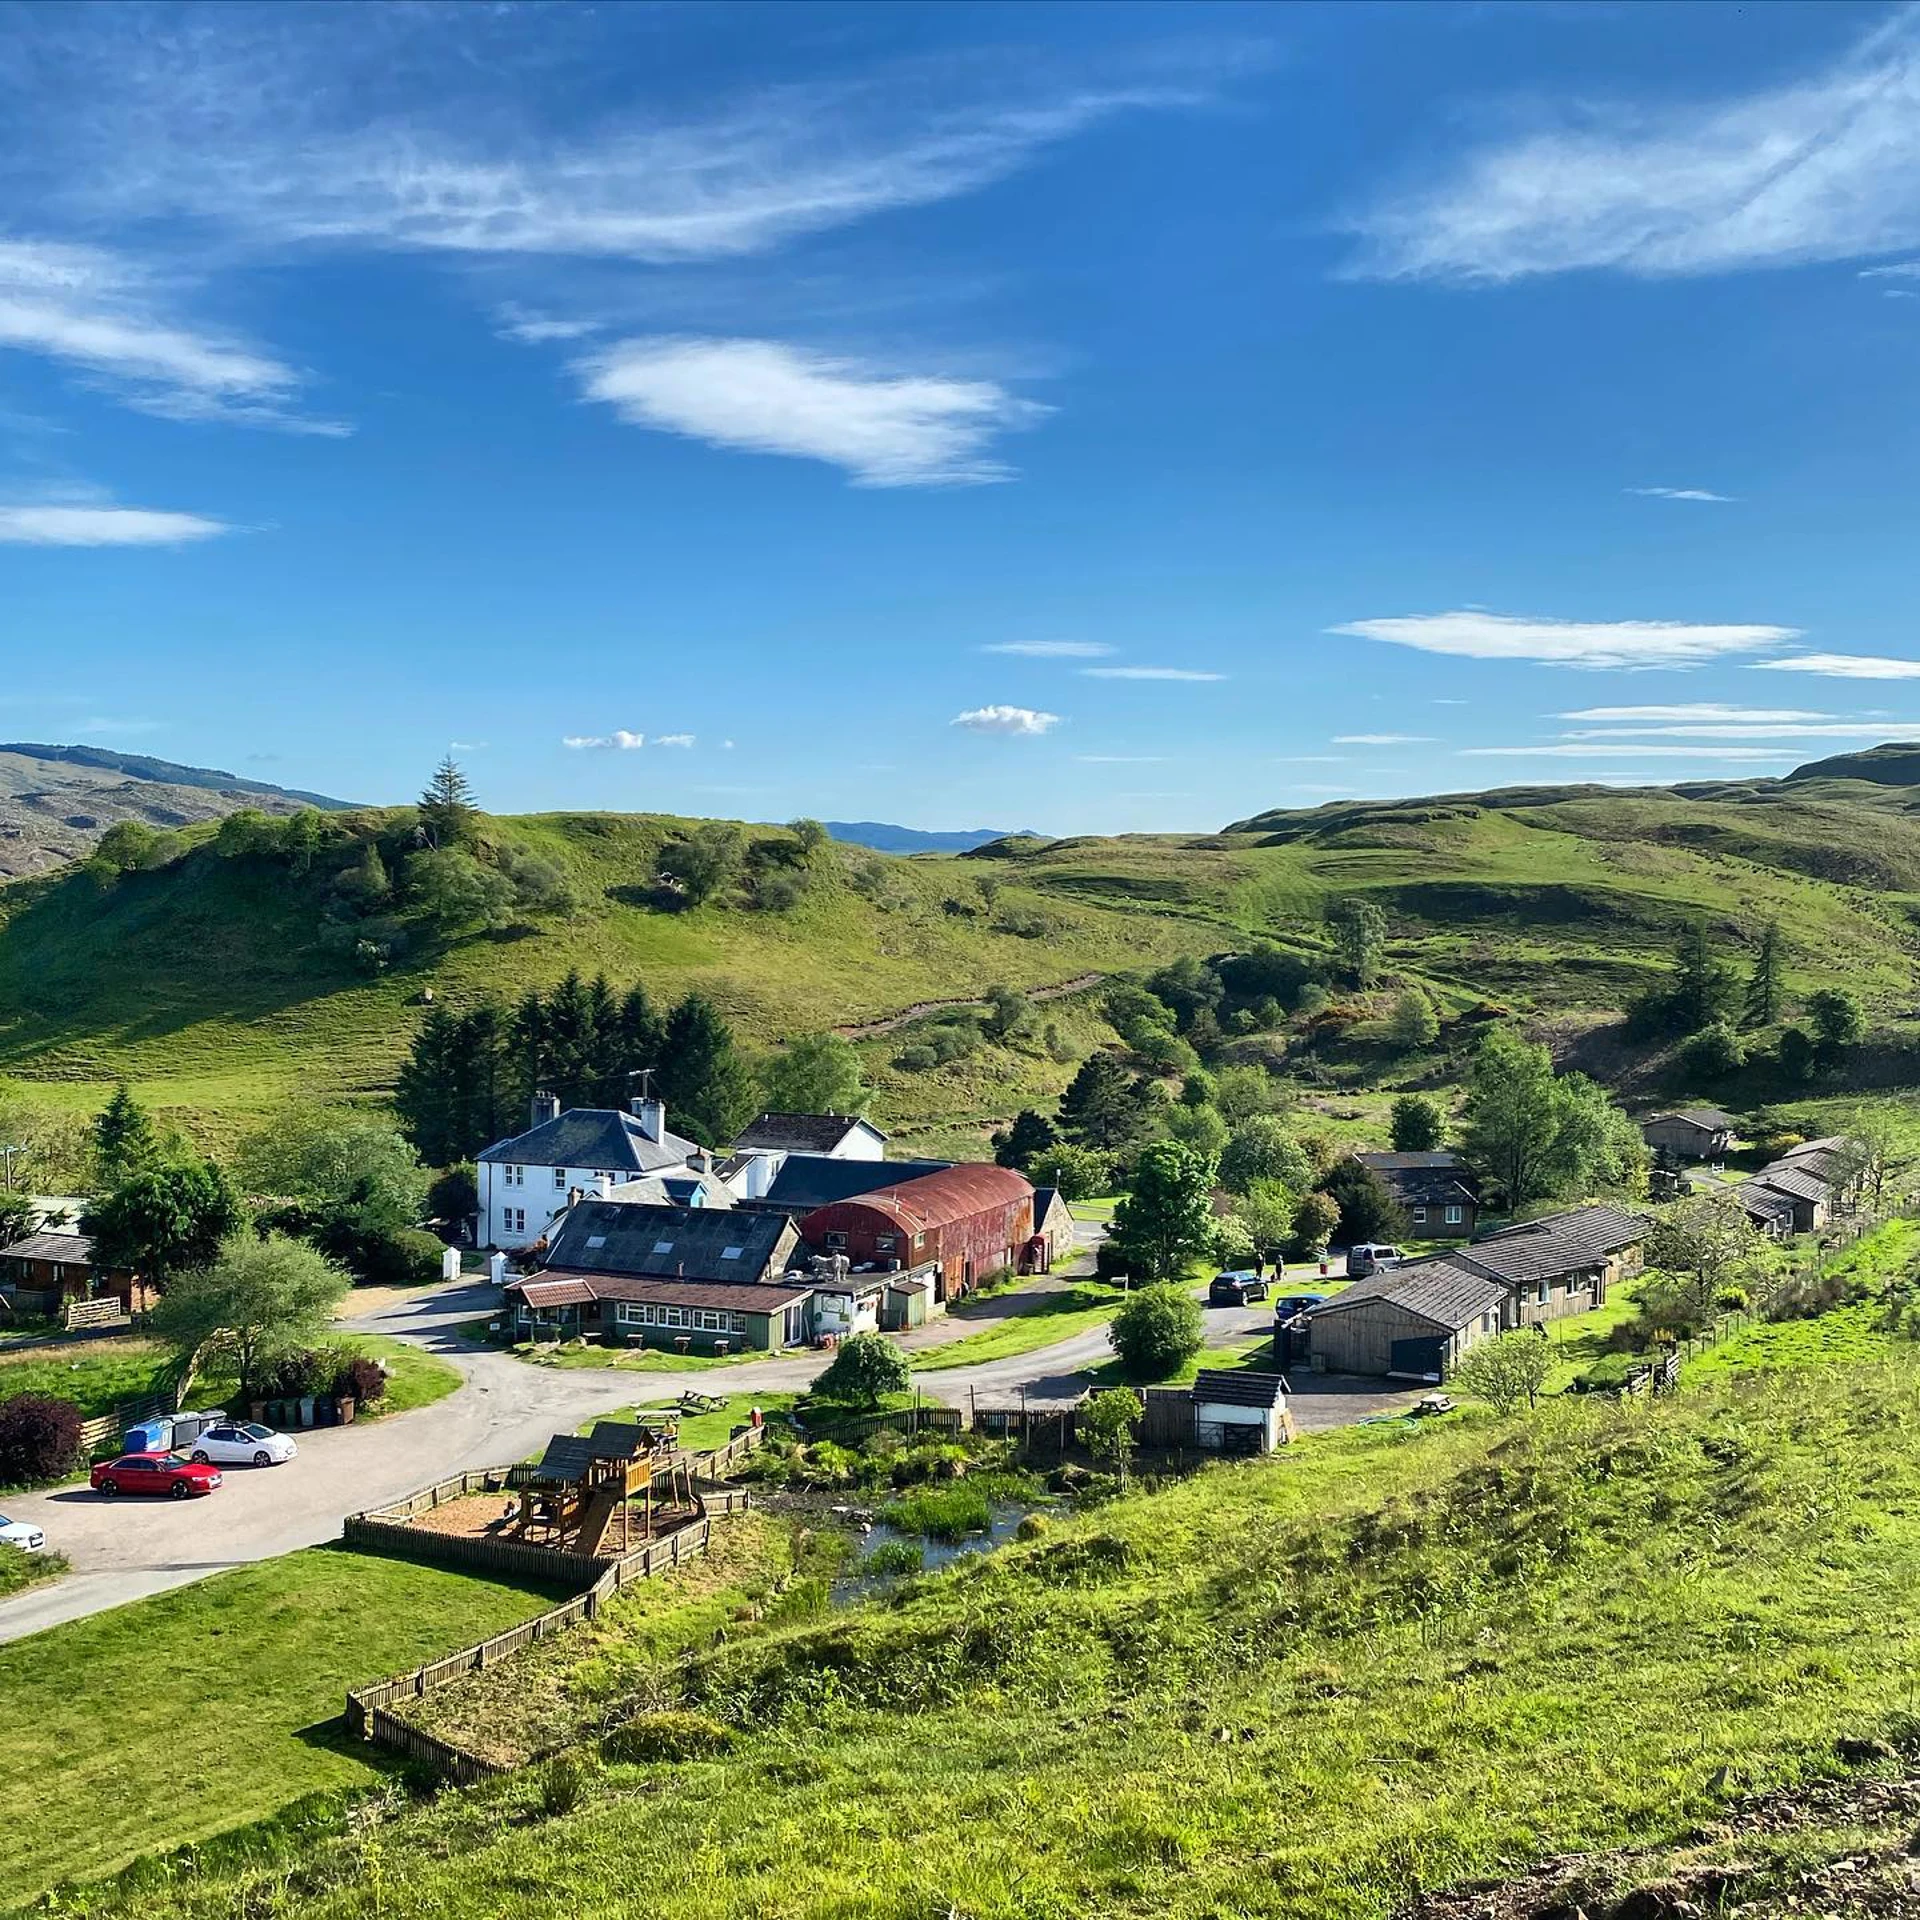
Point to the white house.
(582, 1153)
(764, 1148)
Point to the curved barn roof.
(939, 1199)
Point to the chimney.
(545, 1107)
(652, 1115)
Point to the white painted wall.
(1214, 1413)
(516, 1213)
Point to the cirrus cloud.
(887, 429)
(1473, 634)
(620, 740)
(1845, 666)
(1051, 649)
(1004, 719)
(1148, 673)
(1680, 493)
(70, 526)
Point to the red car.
(167, 1473)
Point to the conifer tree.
(1763, 985)
(448, 814)
(708, 1086)
(123, 1139)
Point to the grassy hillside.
(1386, 1662)
(207, 980)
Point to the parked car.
(168, 1473)
(1291, 1303)
(1236, 1289)
(242, 1443)
(17, 1533)
(1369, 1257)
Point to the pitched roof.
(1441, 1160)
(1768, 1202)
(801, 1132)
(1707, 1119)
(1235, 1387)
(1428, 1187)
(681, 1243)
(939, 1199)
(1795, 1181)
(68, 1249)
(807, 1181)
(597, 1137)
(1441, 1290)
(1045, 1199)
(1554, 1244)
(568, 1289)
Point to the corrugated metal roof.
(1235, 1387)
(1440, 1290)
(807, 1181)
(939, 1199)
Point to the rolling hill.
(55, 802)
(213, 981)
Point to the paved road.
(123, 1550)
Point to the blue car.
(1291, 1303)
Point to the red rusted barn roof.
(939, 1199)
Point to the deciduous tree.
(1165, 1220)
(1359, 931)
(1413, 1024)
(1107, 1421)
(1418, 1125)
(867, 1368)
(1507, 1371)
(261, 1298)
(1157, 1331)
(163, 1220)
(815, 1073)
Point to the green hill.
(217, 984)
(1674, 1638)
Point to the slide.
(601, 1507)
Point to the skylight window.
(596, 1239)
(663, 1246)
(731, 1253)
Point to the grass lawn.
(1047, 1320)
(701, 1431)
(214, 1705)
(583, 1353)
(1848, 1336)
(96, 1375)
(415, 1378)
(19, 1571)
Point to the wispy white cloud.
(1679, 493)
(1148, 673)
(103, 316)
(1381, 739)
(95, 725)
(1051, 649)
(1893, 270)
(1473, 634)
(1824, 730)
(1003, 719)
(1822, 168)
(1845, 666)
(1121, 759)
(618, 741)
(68, 526)
(886, 429)
(673, 739)
(1695, 710)
(468, 746)
(539, 329)
(1593, 750)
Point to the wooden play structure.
(581, 1498)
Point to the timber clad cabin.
(1418, 1320)
(1802, 1190)
(47, 1271)
(1695, 1133)
(1437, 1191)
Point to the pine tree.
(448, 814)
(1702, 988)
(427, 1092)
(123, 1139)
(1103, 1107)
(1764, 985)
(707, 1085)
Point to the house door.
(1422, 1359)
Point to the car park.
(1236, 1289)
(1370, 1256)
(154, 1473)
(18, 1533)
(242, 1443)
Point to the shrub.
(294, 1375)
(1032, 1526)
(1157, 1331)
(867, 1368)
(39, 1439)
(1713, 1052)
(395, 1257)
(363, 1378)
(652, 1737)
(894, 1556)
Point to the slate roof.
(571, 1289)
(603, 1138)
(1224, 1387)
(1766, 1201)
(678, 1243)
(1796, 1181)
(1441, 1160)
(807, 1181)
(1555, 1244)
(67, 1249)
(1045, 1199)
(800, 1132)
(1441, 1290)
(1707, 1119)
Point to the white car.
(243, 1444)
(17, 1533)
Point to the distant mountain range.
(883, 838)
(55, 802)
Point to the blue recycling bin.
(148, 1436)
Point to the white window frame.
(513, 1176)
(560, 1178)
(1455, 1215)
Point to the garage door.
(1420, 1359)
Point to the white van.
(1369, 1257)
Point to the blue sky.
(1091, 418)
